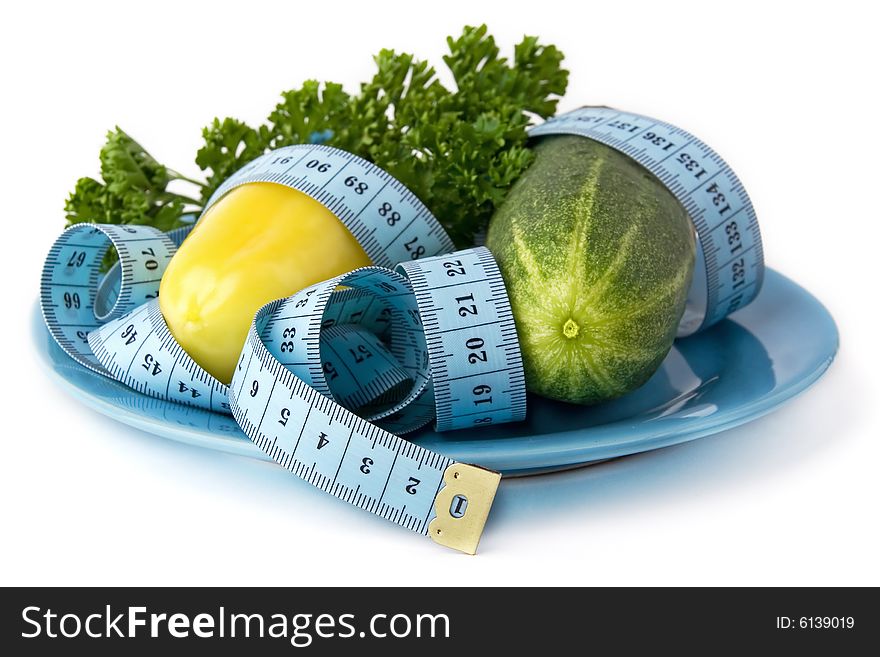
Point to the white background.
(786, 92)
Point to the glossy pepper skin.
(260, 242)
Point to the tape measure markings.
(73, 265)
(473, 342)
(157, 365)
(386, 376)
(368, 438)
(315, 300)
(378, 232)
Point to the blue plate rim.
(511, 455)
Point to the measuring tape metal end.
(462, 506)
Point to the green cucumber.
(597, 256)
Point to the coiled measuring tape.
(729, 267)
(328, 376)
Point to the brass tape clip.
(462, 506)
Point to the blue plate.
(734, 372)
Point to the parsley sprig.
(458, 149)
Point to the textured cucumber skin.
(597, 256)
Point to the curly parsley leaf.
(314, 112)
(86, 203)
(126, 166)
(458, 149)
(133, 190)
(229, 145)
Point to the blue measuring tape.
(328, 376)
(729, 267)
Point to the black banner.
(415, 621)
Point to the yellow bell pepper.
(260, 242)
